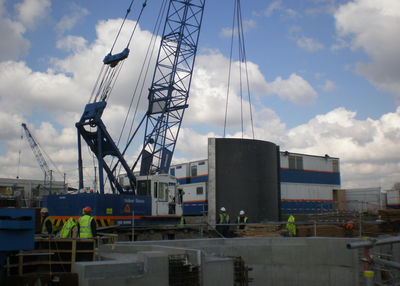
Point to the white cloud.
(306, 43)
(209, 90)
(208, 93)
(277, 6)
(32, 11)
(295, 89)
(373, 27)
(247, 26)
(328, 86)
(72, 44)
(274, 6)
(69, 21)
(13, 45)
(309, 44)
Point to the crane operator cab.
(162, 188)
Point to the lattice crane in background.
(38, 153)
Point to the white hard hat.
(44, 210)
(241, 212)
(222, 209)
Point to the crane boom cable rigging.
(107, 78)
(122, 24)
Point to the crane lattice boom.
(36, 151)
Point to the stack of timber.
(323, 230)
(389, 215)
(259, 230)
(50, 256)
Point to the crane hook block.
(113, 60)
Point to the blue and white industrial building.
(307, 183)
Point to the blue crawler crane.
(150, 194)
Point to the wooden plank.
(73, 255)
(20, 265)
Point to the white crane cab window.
(162, 191)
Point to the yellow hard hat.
(44, 210)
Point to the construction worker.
(242, 219)
(291, 226)
(223, 216)
(348, 226)
(48, 226)
(223, 219)
(67, 229)
(86, 224)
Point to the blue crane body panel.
(17, 228)
(102, 205)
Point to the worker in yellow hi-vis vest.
(68, 228)
(86, 224)
(48, 226)
(291, 226)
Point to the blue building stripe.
(195, 208)
(192, 180)
(309, 177)
(305, 207)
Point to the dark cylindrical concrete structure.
(244, 175)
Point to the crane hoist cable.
(141, 80)
(237, 20)
(247, 74)
(122, 24)
(112, 63)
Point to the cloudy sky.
(324, 79)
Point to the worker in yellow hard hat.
(48, 226)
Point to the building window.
(193, 170)
(172, 171)
(335, 166)
(296, 162)
(199, 190)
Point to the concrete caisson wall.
(244, 175)
(274, 261)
